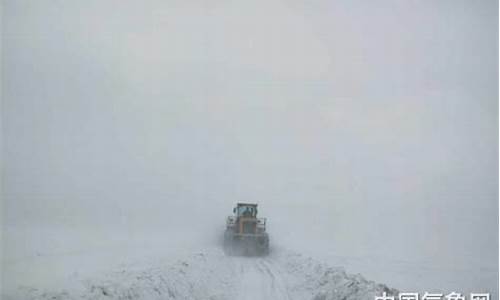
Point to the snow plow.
(245, 233)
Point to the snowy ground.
(209, 274)
(192, 266)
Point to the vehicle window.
(246, 211)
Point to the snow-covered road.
(210, 275)
(260, 278)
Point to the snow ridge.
(210, 275)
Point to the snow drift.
(212, 275)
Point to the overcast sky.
(374, 123)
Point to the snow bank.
(323, 282)
(212, 275)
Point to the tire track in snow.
(278, 279)
(260, 280)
